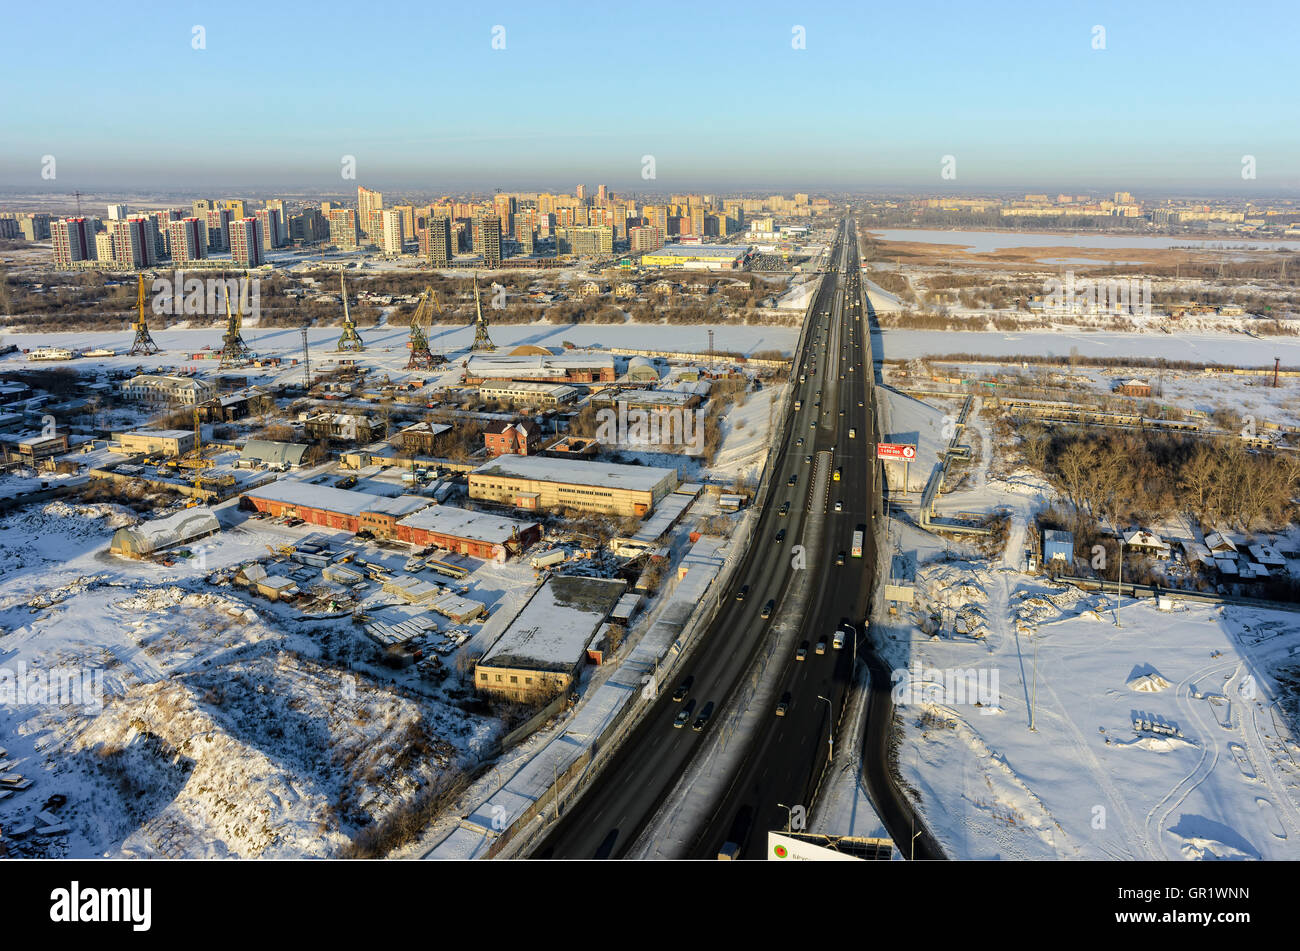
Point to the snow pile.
(268, 756)
(953, 584)
(117, 516)
(1146, 680)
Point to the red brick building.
(518, 439)
(480, 534)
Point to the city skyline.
(1018, 98)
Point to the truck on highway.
(798, 404)
(857, 543)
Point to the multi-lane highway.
(833, 378)
(784, 761)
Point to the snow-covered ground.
(1018, 701)
(226, 725)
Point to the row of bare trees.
(1126, 477)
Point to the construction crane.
(422, 358)
(144, 343)
(194, 458)
(349, 339)
(482, 342)
(233, 348)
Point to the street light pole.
(787, 815)
(830, 728)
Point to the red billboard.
(895, 450)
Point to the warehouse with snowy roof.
(539, 653)
(159, 534)
(535, 482)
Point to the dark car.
(802, 652)
(684, 715)
(703, 718)
(744, 590)
(792, 480)
(784, 705)
(839, 559)
(785, 509)
(780, 536)
(683, 689)
(768, 609)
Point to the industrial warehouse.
(535, 483)
(538, 655)
(712, 257)
(572, 367)
(481, 534)
(407, 518)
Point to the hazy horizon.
(758, 97)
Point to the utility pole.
(306, 360)
(1119, 584)
(1033, 693)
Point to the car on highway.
(853, 433)
(683, 689)
(784, 704)
(702, 720)
(839, 506)
(821, 646)
(684, 715)
(792, 480)
(780, 536)
(768, 609)
(807, 460)
(838, 471)
(744, 590)
(839, 559)
(802, 652)
(785, 509)
(799, 441)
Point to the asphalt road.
(606, 820)
(785, 760)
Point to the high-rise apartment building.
(117, 212)
(200, 207)
(438, 247)
(408, 219)
(392, 234)
(268, 221)
(309, 227)
(236, 208)
(74, 240)
(246, 242)
(343, 229)
(217, 221)
(487, 238)
(189, 240)
(368, 202)
(133, 241)
(646, 238)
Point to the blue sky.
(1015, 92)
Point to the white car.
(839, 506)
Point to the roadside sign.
(894, 450)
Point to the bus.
(857, 543)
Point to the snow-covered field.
(226, 725)
(1026, 712)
